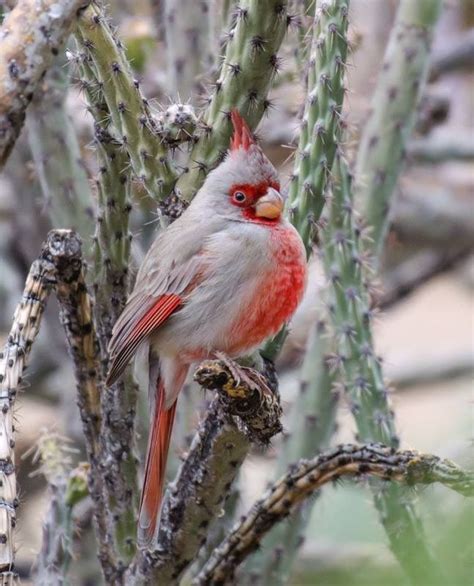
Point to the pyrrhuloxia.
(223, 277)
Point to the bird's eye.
(239, 196)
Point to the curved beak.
(270, 205)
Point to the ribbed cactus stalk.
(57, 156)
(132, 123)
(188, 36)
(320, 130)
(13, 358)
(247, 71)
(360, 373)
(393, 114)
(112, 242)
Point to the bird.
(222, 278)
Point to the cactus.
(360, 373)
(57, 156)
(320, 130)
(393, 114)
(188, 41)
(111, 282)
(132, 123)
(249, 66)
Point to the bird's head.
(245, 185)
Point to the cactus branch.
(13, 359)
(246, 409)
(247, 71)
(360, 372)
(132, 123)
(393, 115)
(31, 34)
(320, 131)
(407, 467)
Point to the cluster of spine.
(112, 242)
(393, 114)
(320, 131)
(359, 370)
(132, 123)
(246, 74)
(57, 156)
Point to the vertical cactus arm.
(57, 155)
(320, 131)
(31, 34)
(119, 402)
(393, 113)
(360, 373)
(246, 74)
(132, 122)
(13, 359)
(188, 45)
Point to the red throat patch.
(242, 137)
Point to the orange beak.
(270, 206)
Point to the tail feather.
(155, 468)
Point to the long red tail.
(157, 453)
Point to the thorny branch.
(30, 36)
(408, 467)
(247, 408)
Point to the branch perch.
(30, 36)
(223, 440)
(407, 467)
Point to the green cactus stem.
(57, 156)
(360, 374)
(112, 242)
(320, 131)
(247, 71)
(132, 123)
(393, 114)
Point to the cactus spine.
(133, 125)
(360, 373)
(247, 71)
(393, 113)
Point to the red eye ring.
(239, 197)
